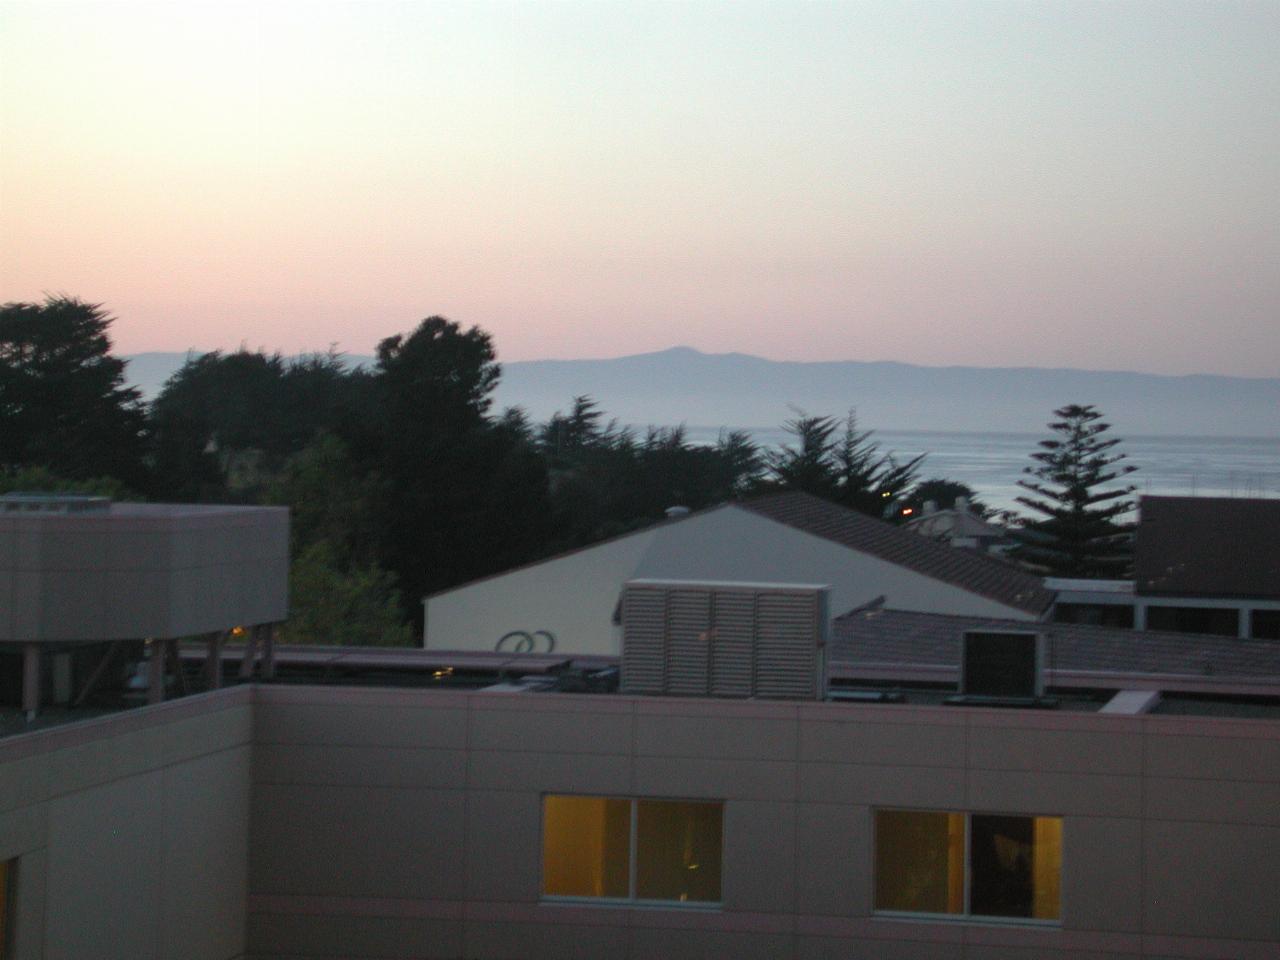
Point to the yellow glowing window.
(978, 864)
(586, 847)
(622, 849)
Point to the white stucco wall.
(574, 597)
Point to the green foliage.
(606, 480)
(63, 400)
(330, 501)
(43, 480)
(1080, 533)
(331, 604)
(844, 466)
(224, 424)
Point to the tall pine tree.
(1081, 532)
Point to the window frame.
(966, 916)
(633, 857)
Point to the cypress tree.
(1081, 532)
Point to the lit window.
(1014, 864)
(638, 850)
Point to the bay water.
(992, 463)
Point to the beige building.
(288, 822)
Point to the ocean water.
(992, 463)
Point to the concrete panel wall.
(292, 822)
(131, 833)
(142, 570)
(407, 824)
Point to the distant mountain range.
(682, 385)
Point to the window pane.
(678, 851)
(1046, 861)
(1223, 622)
(1016, 866)
(586, 846)
(1265, 625)
(919, 861)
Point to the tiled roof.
(898, 637)
(983, 575)
(1208, 546)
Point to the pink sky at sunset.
(1041, 184)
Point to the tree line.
(402, 479)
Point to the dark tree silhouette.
(225, 423)
(1081, 533)
(63, 400)
(462, 495)
(847, 468)
(607, 479)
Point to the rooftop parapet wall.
(141, 570)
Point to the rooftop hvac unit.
(697, 639)
(1002, 667)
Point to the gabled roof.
(573, 551)
(1208, 547)
(883, 639)
(977, 573)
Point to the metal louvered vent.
(694, 639)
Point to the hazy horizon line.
(686, 349)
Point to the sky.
(1070, 184)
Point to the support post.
(213, 661)
(250, 651)
(155, 671)
(31, 680)
(173, 656)
(268, 651)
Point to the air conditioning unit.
(1002, 668)
(712, 639)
